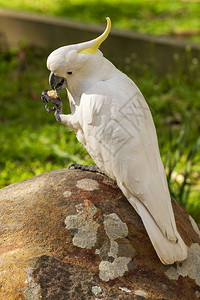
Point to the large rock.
(70, 234)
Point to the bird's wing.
(121, 137)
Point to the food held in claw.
(52, 94)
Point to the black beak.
(57, 83)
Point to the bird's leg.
(92, 168)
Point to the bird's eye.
(69, 73)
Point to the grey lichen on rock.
(124, 289)
(141, 293)
(67, 194)
(190, 267)
(84, 230)
(96, 290)
(114, 227)
(87, 184)
(84, 224)
(111, 270)
(114, 247)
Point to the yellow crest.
(98, 41)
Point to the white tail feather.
(168, 251)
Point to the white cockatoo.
(113, 121)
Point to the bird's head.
(69, 63)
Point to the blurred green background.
(160, 17)
(31, 140)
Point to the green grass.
(174, 18)
(32, 142)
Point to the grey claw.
(44, 100)
(44, 96)
(71, 166)
(50, 109)
(92, 168)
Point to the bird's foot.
(50, 99)
(92, 168)
(56, 100)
